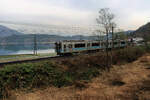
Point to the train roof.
(75, 40)
(88, 40)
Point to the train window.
(115, 43)
(122, 42)
(95, 44)
(79, 45)
(70, 45)
(64, 46)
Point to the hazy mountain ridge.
(41, 38)
(10, 36)
(5, 31)
(143, 30)
(63, 30)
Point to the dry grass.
(124, 82)
(66, 71)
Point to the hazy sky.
(130, 14)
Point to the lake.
(26, 49)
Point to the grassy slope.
(126, 82)
(72, 71)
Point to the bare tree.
(105, 20)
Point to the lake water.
(26, 49)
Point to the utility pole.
(112, 32)
(107, 55)
(112, 37)
(112, 43)
(35, 45)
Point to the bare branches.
(105, 18)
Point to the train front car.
(64, 47)
(70, 47)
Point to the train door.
(70, 47)
(88, 45)
(65, 48)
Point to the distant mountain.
(129, 32)
(41, 38)
(10, 37)
(4, 31)
(143, 31)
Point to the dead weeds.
(124, 82)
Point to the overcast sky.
(130, 14)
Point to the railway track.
(29, 60)
(39, 59)
(36, 60)
(42, 59)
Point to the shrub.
(128, 54)
(28, 75)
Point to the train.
(67, 47)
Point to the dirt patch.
(145, 86)
(148, 76)
(147, 67)
(118, 83)
(81, 84)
